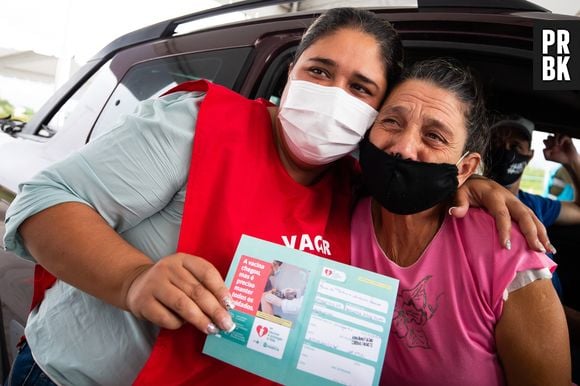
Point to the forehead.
(509, 134)
(351, 49)
(426, 98)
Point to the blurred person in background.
(560, 185)
(508, 155)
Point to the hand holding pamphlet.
(301, 319)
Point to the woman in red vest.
(107, 221)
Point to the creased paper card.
(302, 319)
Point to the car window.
(538, 175)
(275, 77)
(80, 110)
(152, 78)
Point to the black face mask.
(507, 166)
(405, 186)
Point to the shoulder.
(478, 234)
(492, 266)
(546, 209)
(531, 200)
(531, 197)
(169, 120)
(477, 220)
(480, 225)
(475, 233)
(180, 105)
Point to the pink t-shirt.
(449, 301)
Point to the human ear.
(468, 167)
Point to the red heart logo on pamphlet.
(328, 272)
(261, 330)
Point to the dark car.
(252, 57)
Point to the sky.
(75, 29)
(80, 28)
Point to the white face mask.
(321, 124)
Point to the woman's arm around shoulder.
(532, 337)
(504, 206)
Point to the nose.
(404, 145)
(341, 82)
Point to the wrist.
(130, 279)
(573, 165)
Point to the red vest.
(237, 184)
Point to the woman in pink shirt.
(468, 311)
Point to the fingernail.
(212, 329)
(229, 302)
(552, 248)
(451, 210)
(508, 244)
(540, 246)
(228, 324)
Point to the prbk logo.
(557, 55)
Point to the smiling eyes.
(431, 134)
(323, 74)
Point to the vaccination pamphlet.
(305, 320)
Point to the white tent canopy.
(30, 65)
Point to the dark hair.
(452, 76)
(365, 21)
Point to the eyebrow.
(433, 122)
(400, 110)
(331, 63)
(428, 121)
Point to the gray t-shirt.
(135, 177)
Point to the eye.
(318, 72)
(436, 137)
(514, 146)
(390, 122)
(360, 89)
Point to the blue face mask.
(404, 186)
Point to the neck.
(515, 187)
(303, 174)
(404, 238)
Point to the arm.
(503, 206)
(269, 300)
(292, 306)
(532, 337)
(70, 216)
(569, 214)
(573, 319)
(75, 244)
(560, 148)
